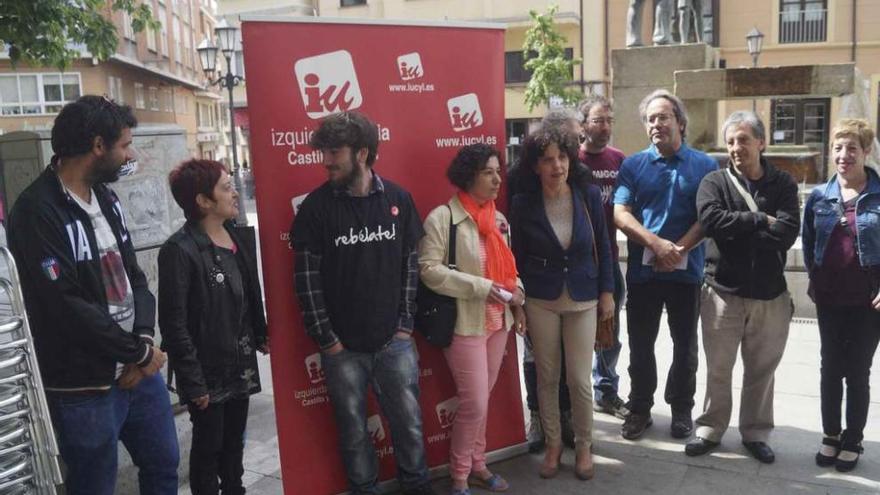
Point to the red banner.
(430, 89)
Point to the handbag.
(436, 313)
(604, 328)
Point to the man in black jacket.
(749, 212)
(90, 310)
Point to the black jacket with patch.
(52, 239)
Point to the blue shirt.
(662, 194)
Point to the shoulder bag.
(436, 313)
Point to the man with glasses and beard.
(90, 309)
(356, 272)
(604, 162)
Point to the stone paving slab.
(656, 464)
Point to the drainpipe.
(605, 51)
(583, 55)
(852, 57)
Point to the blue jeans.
(393, 372)
(605, 377)
(90, 426)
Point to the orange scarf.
(500, 265)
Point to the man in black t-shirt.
(356, 273)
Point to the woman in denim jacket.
(563, 254)
(841, 243)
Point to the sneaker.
(635, 424)
(613, 405)
(535, 435)
(682, 425)
(566, 428)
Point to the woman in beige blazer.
(489, 300)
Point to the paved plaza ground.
(656, 463)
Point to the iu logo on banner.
(464, 112)
(328, 84)
(314, 368)
(410, 66)
(446, 411)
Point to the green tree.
(544, 56)
(42, 32)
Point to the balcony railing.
(803, 26)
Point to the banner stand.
(437, 472)
(430, 88)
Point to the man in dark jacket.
(749, 213)
(90, 310)
(356, 272)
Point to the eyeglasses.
(661, 118)
(609, 121)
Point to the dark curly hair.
(80, 122)
(522, 176)
(350, 129)
(467, 164)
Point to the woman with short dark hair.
(564, 257)
(212, 322)
(489, 297)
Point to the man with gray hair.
(654, 207)
(566, 118)
(749, 213)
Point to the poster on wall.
(431, 88)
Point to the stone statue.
(663, 13)
(690, 15)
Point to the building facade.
(231, 11)
(157, 73)
(796, 32)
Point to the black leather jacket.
(186, 301)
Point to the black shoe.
(823, 460)
(421, 490)
(635, 425)
(846, 466)
(613, 405)
(699, 446)
(682, 424)
(535, 435)
(760, 451)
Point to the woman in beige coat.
(489, 300)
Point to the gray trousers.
(663, 14)
(759, 329)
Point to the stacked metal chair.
(29, 458)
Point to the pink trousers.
(474, 362)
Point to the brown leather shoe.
(583, 465)
(552, 458)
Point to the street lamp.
(754, 40)
(208, 52)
